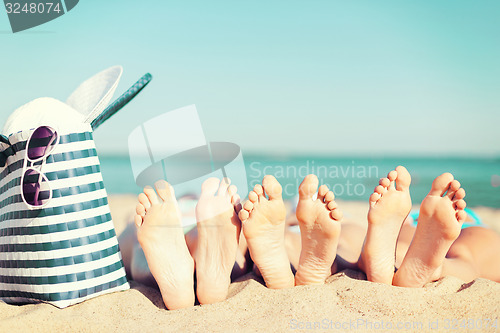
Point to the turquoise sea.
(350, 178)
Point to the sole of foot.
(439, 224)
(390, 204)
(263, 223)
(160, 235)
(319, 222)
(218, 234)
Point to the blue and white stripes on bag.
(66, 250)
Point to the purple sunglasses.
(35, 188)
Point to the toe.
(374, 198)
(392, 175)
(308, 187)
(140, 210)
(403, 180)
(385, 182)
(392, 178)
(224, 185)
(441, 184)
(144, 201)
(259, 191)
(272, 187)
(336, 214)
(460, 204)
(322, 191)
(460, 194)
(454, 187)
(380, 189)
(329, 196)
(151, 194)
(165, 191)
(243, 215)
(231, 190)
(253, 197)
(248, 206)
(210, 186)
(461, 216)
(332, 205)
(138, 220)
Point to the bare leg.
(161, 237)
(474, 254)
(127, 241)
(390, 204)
(439, 225)
(319, 222)
(140, 268)
(350, 246)
(134, 259)
(263, 223)
(218, 234)
(137, 267)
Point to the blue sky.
(287, 77)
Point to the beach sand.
(346, 302)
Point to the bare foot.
(218, 234)
(160, 234)
(263, 223)
(390, 204)
(439, 225)
(319, 222)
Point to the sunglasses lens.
(42, 141)
(36, 190)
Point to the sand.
(346, 302)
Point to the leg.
(263, 222)
(140, 268)
(218, 234)
(127, 241)
(133, 257)
(319, 222)
(439, 224)
(161, 237)
(474, 254)
(350, 246)
(136, 264)
(390, 204)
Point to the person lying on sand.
(172, 256)
(438, 248)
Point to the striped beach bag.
(57, 239)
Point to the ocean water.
(350, 178)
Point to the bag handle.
(119, 103)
